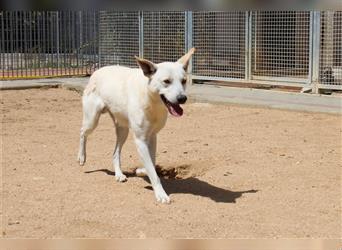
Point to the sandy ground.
(231, 171)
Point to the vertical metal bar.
(30, 41)
(5, 41)
(57, 41)
(17, 43)
(25, 42)
(12, 42)
(38, 41)
(247, 47)
(1, 43)
(141, 34)
(310, 47)
(250, 31)
(316, 35)
(95, 39)
(79, 54)
(20, 17)
(188, 39)
(43, 41)
(50, 43)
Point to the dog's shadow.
(190, 185)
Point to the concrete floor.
(216, 94)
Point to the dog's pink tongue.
(175, 110)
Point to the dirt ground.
(231, 172)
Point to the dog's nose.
(181, 99)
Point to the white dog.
(138, 99)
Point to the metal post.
(141, 34)
(316, 35)
(57, 40)
(188, 41)
(247, 46)
(249, 33)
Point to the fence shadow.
(190, 185)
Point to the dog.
(139, 99)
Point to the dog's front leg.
(145, 156)
(152, 147)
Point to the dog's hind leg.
(92, 108)
(121, 136)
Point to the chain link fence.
(296, 48)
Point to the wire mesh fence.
(119, 37)
(47, 43)
(330, 69)
(163, 35)
(280, 44)
(282, 47)
(220, 41)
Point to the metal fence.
(295, 48)
(330, 65)
(47, 43)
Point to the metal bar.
(281, 79)
(254, 81)
(310, 47)
(80, 50)
(25, 39)
(141, 34)
(22, 54)
(315, 51)
(328, 86)
(188, 41)
(12, 41)
(2, 52)
(15, 17)
(248, 45)
(57, 41)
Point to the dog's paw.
(161, 196)
(140, 172)
(120, 178)
(81, 160)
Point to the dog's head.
(168, 79)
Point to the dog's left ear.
(149, 68)
(186, 58)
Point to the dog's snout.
(181, 99)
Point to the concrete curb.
(215, 94)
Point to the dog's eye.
(167, 81)
(183, 81)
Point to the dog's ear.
(149, 68)
(186, 58)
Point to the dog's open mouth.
(174, 109)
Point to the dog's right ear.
(149, 68)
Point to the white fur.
(132, 98)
